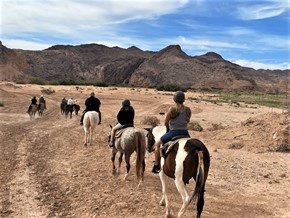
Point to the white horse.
(91, 119)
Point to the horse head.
(150, 140)
(109, 133)
(153, 134)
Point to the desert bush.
(236, 146)
(284, 147)
(101, 84)
(47, 91)
(1, 104)
(195, 126)
(171, 87)
(150, 120)
(37, 81)
(216, 126)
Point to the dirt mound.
(263, 133)
(275, 129)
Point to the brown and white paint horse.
(188, 158)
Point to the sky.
(251, 33)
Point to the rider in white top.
(70, 101)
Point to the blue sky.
(251, 33)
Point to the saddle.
(120, 131)
(167, 147)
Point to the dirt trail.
(47, 172)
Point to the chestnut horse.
(40, 109)
(186, 158)
(131, 139)
(32, 111)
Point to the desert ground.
(46, 171)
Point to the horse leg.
(86, 135)
(164, 199)
(127, 160)
(184, 194)
(114, 152)
(120, 162)
(91, 134)
(142, 174)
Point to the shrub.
(284, 147)
(195, 126)
(150, 120)
(215, 126)
(101, 84)
(171, 87)
(1, 104)
(47, 91)
(37, 81)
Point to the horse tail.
(92, 121)
(199, 181)
(140, 150)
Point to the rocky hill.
(133, 66)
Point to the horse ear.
(147, 129)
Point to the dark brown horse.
(68, 110)
(132, 139)
(187, 158)
(76, 108)
(62, 106)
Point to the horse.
(186, 158)
(62, 107)
(91, 120)
(76, 108)
(131, 139)
(40, 109)
(32, 111)
(68, 110)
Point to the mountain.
(133, 66)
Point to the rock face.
(98, 63)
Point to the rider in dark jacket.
(125, 118)
(33, 101)
(92, 104)
(41, 101)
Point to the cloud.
(24, 44)
(67, 15)
(260, 65)
(263, 10)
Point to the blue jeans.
(172, 133)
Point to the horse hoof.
(140, 184)
(168, 215)
(114, 172)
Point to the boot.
(111, 143)
(156, 169)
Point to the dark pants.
(100, 116)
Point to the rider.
(176, 121)
(33, 102)
(63, 100)
(125, 118)
(70, 101)
(92, 104)
(41, 101)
